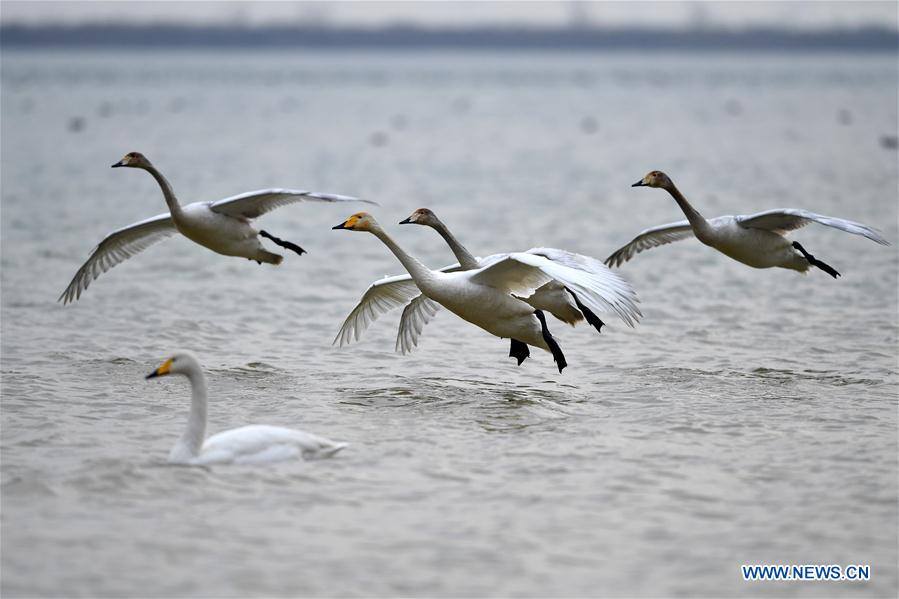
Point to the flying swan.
(254, 444)
(489, 296)
(758, 240)
(223, 227)
(553, 297)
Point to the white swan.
(758, 240)
(489, 296)
(254, 444)
(552, 297)
(223, 227)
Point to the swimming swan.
(489, 296)
(222, 226)
(254, 444)
(758, 240)
(552, 297)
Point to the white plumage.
(608, 292)
(222, 226)
(489, 297)
(253, 444)
(757, 240)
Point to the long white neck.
(697, 221)
(465, 258)
(421, 274)
(167, 192)
(191, 442)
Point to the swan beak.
(349, 223)
(117, 164)
(639, 183)
(406, 221)
(161, 371)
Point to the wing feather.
(416, 315)
(782, 220)
(601, 290)
(650, 238)
(253, 204)
(380, 297)
(117, 247)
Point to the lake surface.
(751, 418)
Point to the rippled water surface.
(750, 418)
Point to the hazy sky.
(372, 12)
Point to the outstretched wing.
(781, 220)
(253, 204)
(601, 291)
(415, 316)
(381, 297)
(117, 247)
(650, 238)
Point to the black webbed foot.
(589, 316)
(519, 351)
(815, 262)
(558, 356)
(284, 244)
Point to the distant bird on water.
(254, 444)
(758, 240)
(223, 227)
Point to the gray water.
(750, 418)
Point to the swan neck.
(696, 219)
(421, 274)
(192, 439)
(167, 191)
(465, 258)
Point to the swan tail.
(268, 257)
(330, 450)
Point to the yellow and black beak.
(348, 223)
(639, 183)
(162, 370)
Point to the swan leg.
(591, 318)
(553, 346)
(519, 351)
(815, 262)
(284, 244)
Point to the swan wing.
(521, 274)
(117, 247)
(415, 316)
(602, 288)
(782, 220)
(253, 204)
(516, 273)
(256, 444)
(381, 297)
(650, 238)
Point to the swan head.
(134, 160)
(361, 221)
(654, 179)
(422, 216)
(182, 362)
